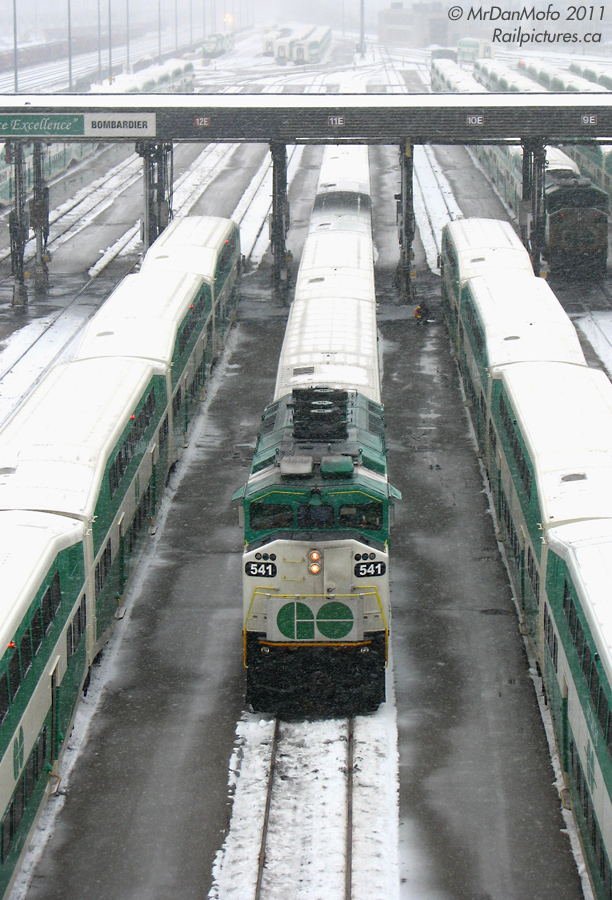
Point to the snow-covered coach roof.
(586, 548)
(557, 160)
(331, 337)
(522, 320)
(141, 317)
(330, 342)
(564, 413)
(340, 259)
(29, 543)
(485, 244)
(190, 244)
(54, 449)
(454, 78)
(345, 168)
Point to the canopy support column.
(279, 225)
(158, 181)
(532, 214)
(19, 226)
(405, 222)
(39, 219)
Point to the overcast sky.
(51, 16)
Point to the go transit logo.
(296, 621)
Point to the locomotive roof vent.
(336, 466)
(320, 414)
(296, 466)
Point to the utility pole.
(110, 46)
(99, 45)
(15, 45)
(159, 55)
(362, 31)
(69, 50)
(127, 32)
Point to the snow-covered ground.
(303, 860)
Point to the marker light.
(314, 566)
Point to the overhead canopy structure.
(314, 118)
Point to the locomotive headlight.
(314, 566)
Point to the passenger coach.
(83, 462)
(543, 420)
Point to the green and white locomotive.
(318, 503)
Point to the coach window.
(47, 610)
(4, 697)
(56, 593)
(26, 652)
(602, 711)
(14, 674)
(7, 833)
(263, 516)
(37, 630)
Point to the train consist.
(83, 463)
(317, 506)
(313, 48)
(57, 158)
(575, 209)
(593, 72)
(543, 422)
(497, 76)
(215, 45)
(175, 76)
(553, 79)
(306, 44)
(594, 161)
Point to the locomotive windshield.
(264, 516)
(315, 516)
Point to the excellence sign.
(61, 125)
(77, 125)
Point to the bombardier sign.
(109, 125)
(69, 125)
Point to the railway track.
(292, 774)
(314, 811)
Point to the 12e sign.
(260, 569)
